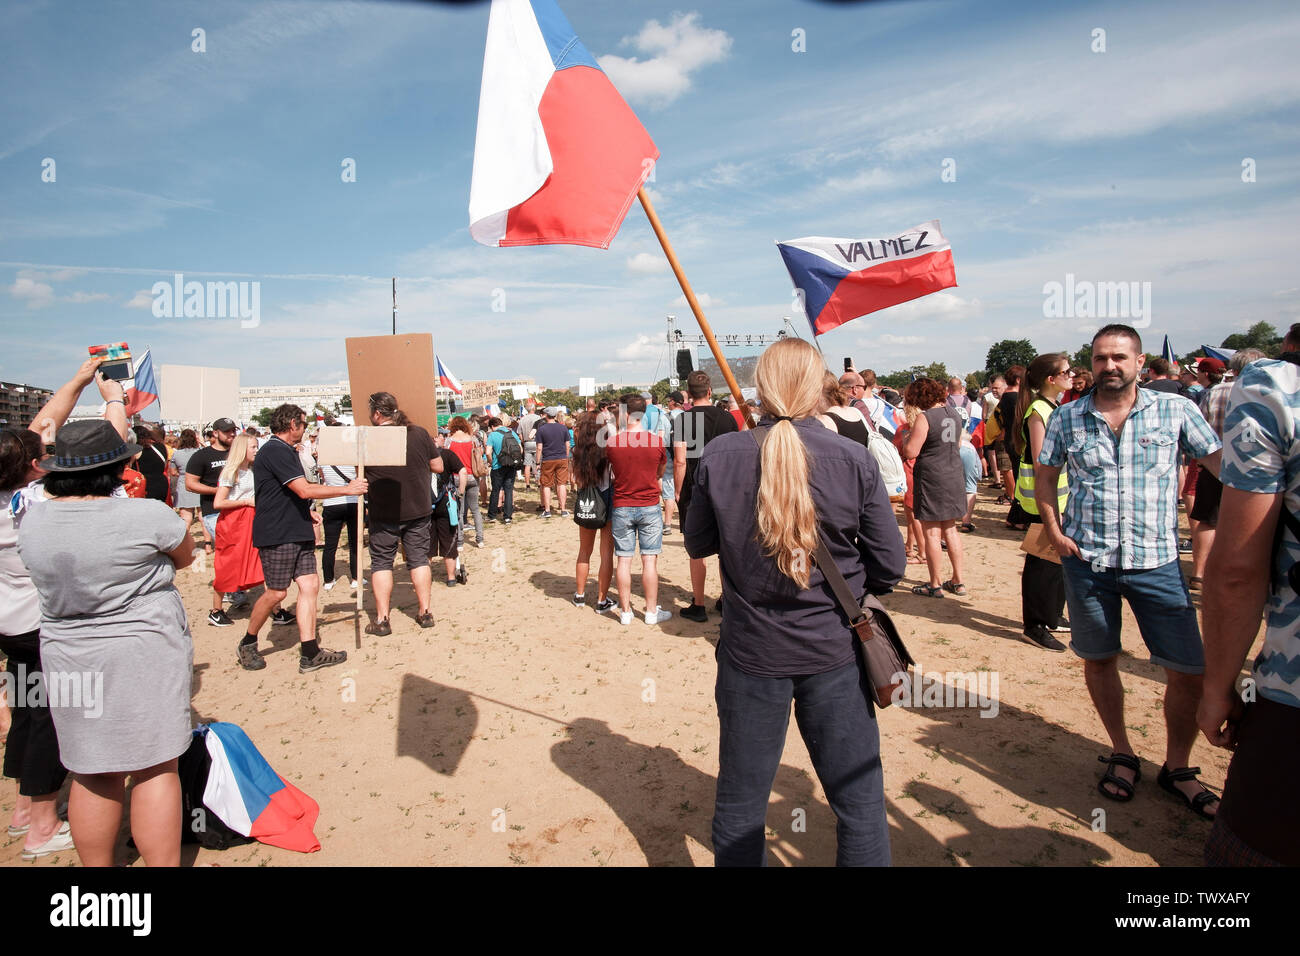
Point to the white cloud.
(647, 263)
(944, 306)
(79, 297)
(641, 349)
(902, 339)
(143, 299)
(706, 301)
(674, 51)
(38, 295)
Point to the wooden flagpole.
(657, 226)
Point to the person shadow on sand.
(665, 802)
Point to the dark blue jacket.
(770, 628)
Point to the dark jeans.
(335, 517)
(32, 749)
(1042, 593)
(843, 741)
(502, 478)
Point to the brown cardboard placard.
(400, 364)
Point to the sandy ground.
(524, 731)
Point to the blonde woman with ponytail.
(761, 501)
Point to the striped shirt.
(1261, 455)
(1123, 507)
(1214, 405)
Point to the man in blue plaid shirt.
(1118, 539)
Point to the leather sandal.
(1168, 780)
(1126, 787)
(926, 591)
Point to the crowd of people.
(1092, 466)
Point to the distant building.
(257, 397)
(20, 403)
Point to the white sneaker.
(658, 616)
(354, 585)
(59, 842)
(329, 585)
(625, 617)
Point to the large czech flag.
(843, 279)
(251, 798)
(558, 157)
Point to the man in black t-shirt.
(284, 535)
(693, 429)
(401, 501)
(201, 474)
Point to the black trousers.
(335, 517)
(1042, 593)
(32, 750)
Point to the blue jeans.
(1159, 600)
(502, 478)
(843, 741)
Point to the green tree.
(1260, 336)
(659, 391)
(1002, 355)
(1083, 357)
(900, 380)
(263, 418)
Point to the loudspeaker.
(685, 363)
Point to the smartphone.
(848, 365)
(117, 360)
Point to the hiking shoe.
(281, 616)
(605, 604)
(425, 619)
(249, 658)
(695, 612)
(1040, 636)
(658, 616)
(324, 659)
(219, 619)
(380, 627)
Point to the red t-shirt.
(636, 457)
(465, 452)
(739, 416)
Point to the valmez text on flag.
(843, 279)
(558, 156)
(144, 389)
(447, 380)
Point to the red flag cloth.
(238, 564)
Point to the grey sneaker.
(324, 659)
(249, 658)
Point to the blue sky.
(1123, 165)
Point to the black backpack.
(511, 454)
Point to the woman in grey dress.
(115, 643)
(939, 497)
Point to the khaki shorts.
(554, 473)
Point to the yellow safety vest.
(1025, 479)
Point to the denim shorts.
(666, 490)
(210, 523)
(1159, 600)
(643, 525)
